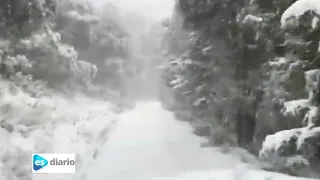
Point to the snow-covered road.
(145, 143)
(149, 143)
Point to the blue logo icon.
(39, 162)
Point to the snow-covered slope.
(54, 124)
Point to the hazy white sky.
(151, 8)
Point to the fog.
(155, 9)
(142, 20)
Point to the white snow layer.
(279, 61)
(273, 142)
(311, 115)
(199, 101)
(293, 107)
(85, 17)
(299, 8)
(314, 23)
(250, 19)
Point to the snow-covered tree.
(249, 67)
(64, 43)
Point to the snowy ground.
(145, 143)
(149, 144)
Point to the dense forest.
(246, 73)
(243, 73)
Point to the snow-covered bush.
(299, 75)
(300, 142)
(292, 150)
(48, 124)
(52, 61)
